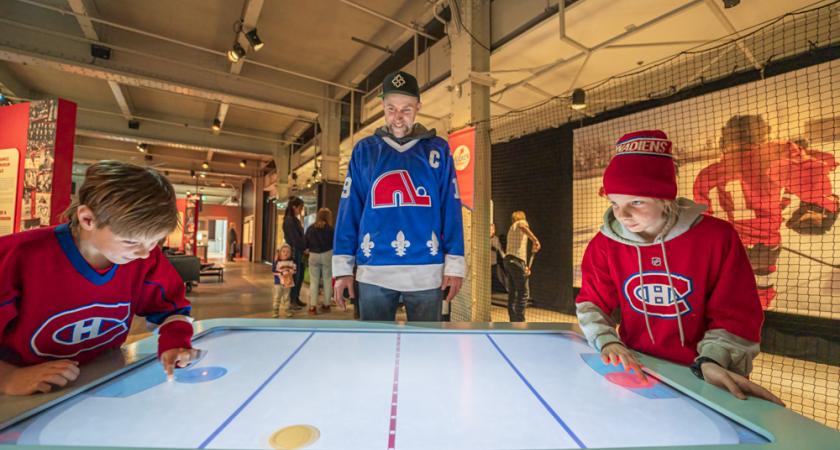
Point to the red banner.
(462, 146)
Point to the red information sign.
(462, 146)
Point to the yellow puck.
(294, 437)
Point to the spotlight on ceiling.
(188, 193)
(236, 53)
(254, 40)
(203, 175)
(578, 99)
(217, 125)
(731, 3)
(223, 184)
(143, 147)
(192, 173)
(243, 163)
(205, 165)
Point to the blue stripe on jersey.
(158, 318)
(162, 292)
(65, 240)
(8, 302)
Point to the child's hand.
(737, 385)
(173, 357)
(616, 353)
(39, 378)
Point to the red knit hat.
(643, 166)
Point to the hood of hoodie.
(689, 214)
(417, 132)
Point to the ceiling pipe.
(388, 19)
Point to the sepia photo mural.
(762, 156)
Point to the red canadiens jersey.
(758, 175)
(54, 305)
(712, 277)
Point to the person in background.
(284, 270)
(680, 279)
(516, 265)
(399, 220)
(293, 234)
(102, 266)
(318, 241)
(232, 241)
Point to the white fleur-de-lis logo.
(367, 245)
(433, 244)
(400, 244)
(398, 81)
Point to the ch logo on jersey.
(395, 188)
(70, 333)
(657, 295)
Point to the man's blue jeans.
(379, 303)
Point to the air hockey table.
(360, 385)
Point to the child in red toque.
(681, 280)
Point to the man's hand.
(173, 357)
(737, 385)
(342, 283)
(38, 378)
(616, 353)
(454, 285)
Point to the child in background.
(284, 269)
(68, 293)
(681, 280)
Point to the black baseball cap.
(400, 82)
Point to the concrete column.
(471, 107)
(282, 156)
(329, 122)
(259, 184)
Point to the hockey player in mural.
(755, 179)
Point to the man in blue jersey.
(399, 220)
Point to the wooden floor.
(808, 388)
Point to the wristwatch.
(695, 366)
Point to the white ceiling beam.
(103, 152)
(211, 90)
(250, 16)
(610, 41)
(412, 28)
(10, 85)
(64, 12)
(721, 17)
(537, 90)
(120, 94)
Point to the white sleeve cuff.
(342, 265)
(453, 266)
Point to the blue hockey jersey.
(399, 220)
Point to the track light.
(188, 193)
(236, 53)
(254, 40)
(731, 3)
(192, 173)
(217, 125)
(142, 147)
(202, 175)
(242, 163)
(578, 99)
(205, 165)
(223, 184)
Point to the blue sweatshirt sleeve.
(349, 215)
(453, 226)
